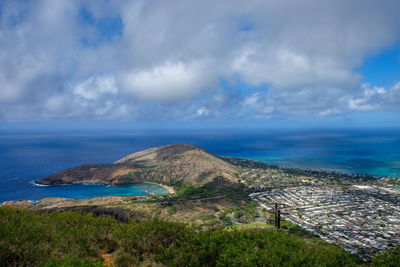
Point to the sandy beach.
(170, 189)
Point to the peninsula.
(359, 213)
(174, 164)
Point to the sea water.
(25, 157)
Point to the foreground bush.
(387, 259)
(79, 239)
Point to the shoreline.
(253, 163)
(170, 189)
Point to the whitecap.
(33, 182)
(8, 201)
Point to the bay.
(25, 157)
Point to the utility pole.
(277, 215)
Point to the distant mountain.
(170, 164)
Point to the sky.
(210, 63)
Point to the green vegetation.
(217, 186)
(294, 229)
(171, 211)
(188, 190)
(29, 239)
(245, 213)
(387, 259)
(79, 239)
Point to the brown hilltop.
(169, 164)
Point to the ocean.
(25, 157)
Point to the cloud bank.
(192, 60)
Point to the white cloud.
(376, 98)
(96, 86)
(168, 82)
(202, 111)
(170, 58)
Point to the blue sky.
(200, 63)
(382, 69)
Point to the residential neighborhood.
(361, 219)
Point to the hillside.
(170, 164)
(80, 239)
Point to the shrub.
(390, 258)
(123, 258)
(78, 239)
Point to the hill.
(174, 164)
(80, 239)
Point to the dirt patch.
(107, 259)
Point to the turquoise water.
(33, 192)
(25, 157)
(370, 151)
(97, 190)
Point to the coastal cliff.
(169, 164)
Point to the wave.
(33, 182)
(8, 201)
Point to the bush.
(387, 259)
(123, 258)
(172, 211)
(29, 239)
(71, 261)
(78, 239)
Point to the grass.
(253, 225)
(79, 239)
